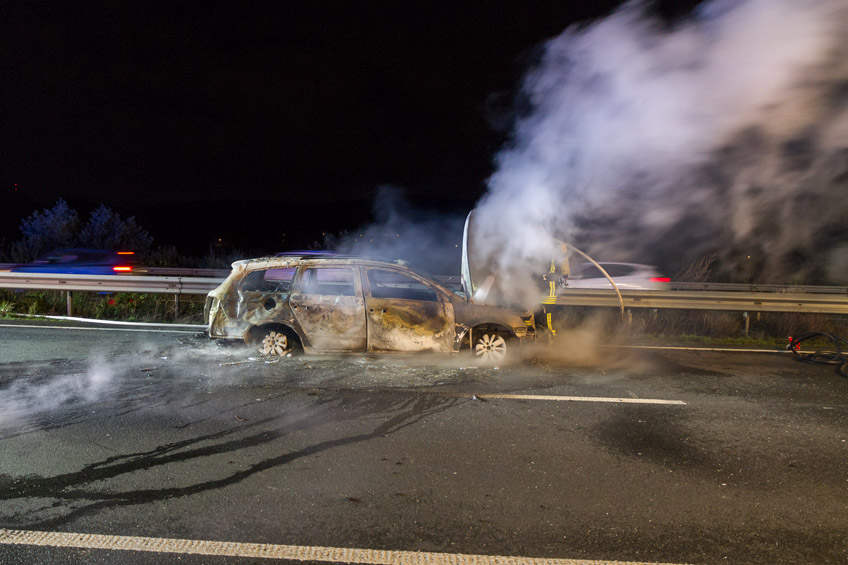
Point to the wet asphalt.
(166, 435)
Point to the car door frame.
(330, 322)
(405, 324)
(262, 305)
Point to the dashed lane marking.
(680, 348)
(274, 551)
(495, 396)
(578, 398)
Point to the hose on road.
(824, 357)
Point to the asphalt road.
(605, 454)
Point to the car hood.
(470, 314)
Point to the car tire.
(276, 344)
(490, 348)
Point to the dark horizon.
(161, 108)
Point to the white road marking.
(495, 396)
(678, 348)
(274, 551)
(579, 398)
(115, 322)
(97, 329)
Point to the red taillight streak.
(660, 279)
(122, 268)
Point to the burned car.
(319, 303)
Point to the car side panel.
(258, 308)
(234, 310)
(408, 325)
(330, 322)
(398, 324)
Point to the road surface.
(596, 453)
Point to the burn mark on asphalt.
(661, 363)
(88, 491)
(655, 433)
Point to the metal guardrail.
(731, 300)
(736, 287)
(455, 280)
(109, 283)
(158, 271)
(184, 272)
(706, 300)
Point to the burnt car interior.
(269, 280)
(327, 281)
(389, 284)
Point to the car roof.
(602, 263)
(284, 260)
(294, 258)
(317, 253)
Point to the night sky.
(237, 119)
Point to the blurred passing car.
(325, 303)
(82, 262)
(625, 275)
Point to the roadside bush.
(104, 306)
(41, 301)
(46, 230)
(696, 324)
(697, 271)
(166, 256)
(692, 322)
(107, 230)
(221, 258)
(60, 226)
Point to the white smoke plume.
(27, 399)
(427, 239)
(648, 142)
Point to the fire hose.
(607, 275)
(823, 357)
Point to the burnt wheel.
(275, 343)
(490, 348)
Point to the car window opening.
(389, 284)
(327, 282)
(269, 280)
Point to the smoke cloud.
(427, 239)
(26, 399)
(658, 143)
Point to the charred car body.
(346, 304)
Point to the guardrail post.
(747, 322)
(69, 298)
(176, 306)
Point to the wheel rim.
(275, 343)
(490, 347)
